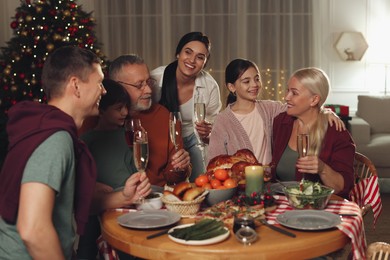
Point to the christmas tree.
(39, 27)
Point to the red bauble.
(14, 25)
(89, 40)
(52, 12)
(22, 75)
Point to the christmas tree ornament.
(14, 24)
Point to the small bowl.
(217, 195)
(152, 201)
(303, 201)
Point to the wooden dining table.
(269, 245)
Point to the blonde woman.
(247, 122)
(331, 153)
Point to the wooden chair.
(363, 169)
(378, 251)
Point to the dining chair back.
(363, 169)
(378, 251)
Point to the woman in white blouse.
(180, 83)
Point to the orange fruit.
(230, 183)
(207, 186)
(221, 187)
(215, 183)
(221, 174)
(201, 180)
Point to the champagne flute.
(199, 111)
(303, 142)
(130, 126)
(174, 128)
(141, 152)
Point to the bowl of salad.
(308, 195)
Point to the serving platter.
(209, 241)
(148, 219)
(309, 219)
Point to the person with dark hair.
(114, 161)
(330, 154)
(183, 83)
(165, 164)
(247, 122)
(48, 176)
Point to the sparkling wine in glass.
(140, 149)
(174, 131)
(174, 128)
(303, 144)
(141, 153)
(130, 126)
(200, 115)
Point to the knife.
(278, 229)
(163, 232)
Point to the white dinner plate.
(148, 219)
(277, 188)
(309, 219)
(198, 242)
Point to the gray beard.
(140, 108)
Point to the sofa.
(370, 129)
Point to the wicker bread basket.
(184, 208)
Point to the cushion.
(375, 109)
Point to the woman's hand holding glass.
(204, 129)
(307, 163)
(310, 164)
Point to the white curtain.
(275, 34)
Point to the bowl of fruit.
(220, 185)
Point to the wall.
(352, 78)
(349, 79)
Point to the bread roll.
(181, 188)
(168, 195)
(192, 193)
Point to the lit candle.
(254, 179)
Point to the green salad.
(308, 194)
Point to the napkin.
(366, 192)
(106, 252)
(353, 227)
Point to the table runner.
(353, 227)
